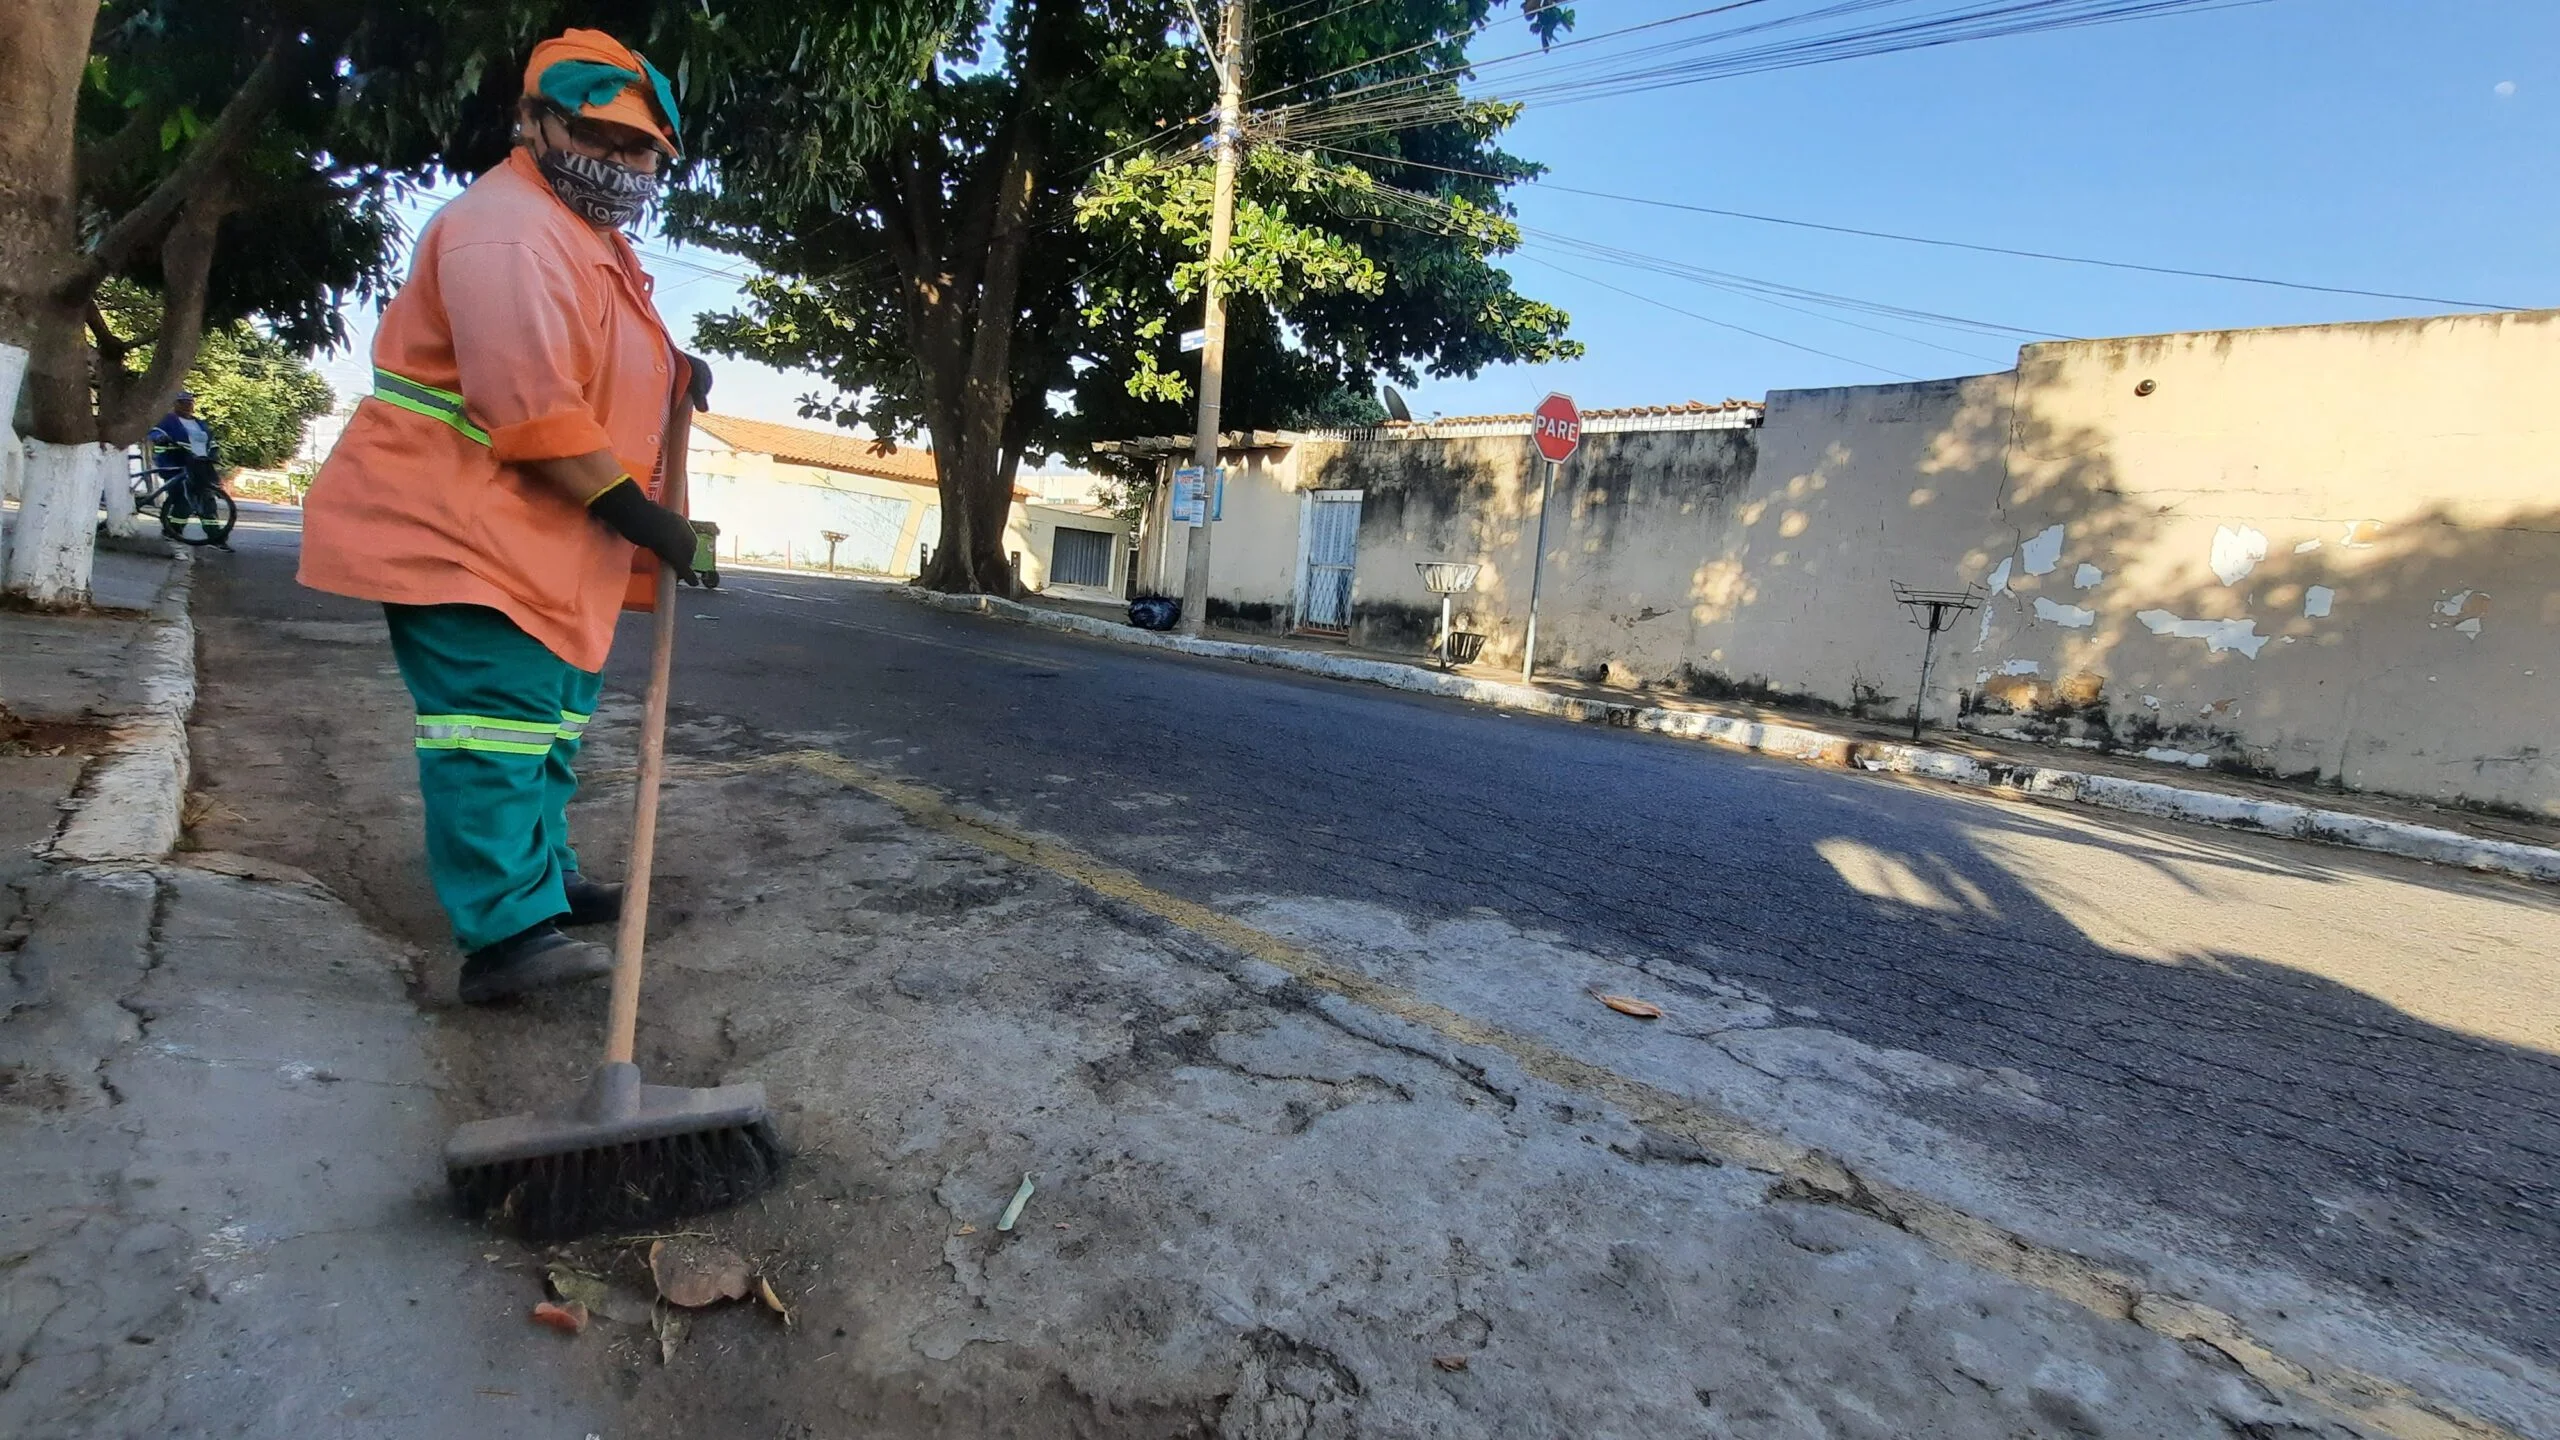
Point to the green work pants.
(499, 724)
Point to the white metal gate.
(1331, 530)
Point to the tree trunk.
(50, 555)
(44, 50)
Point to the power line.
(1924, 239)
(1725, 324)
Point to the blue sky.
(2392, 145)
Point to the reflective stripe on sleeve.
(427, 400)
(573, 724)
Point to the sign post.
(1556, 427)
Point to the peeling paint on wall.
(2455, 603)
(2237, 552)
(2306, 547)
(2076, 617)
(2022, 667)
(2043, 552)
(2360, 534)
(2470, 628)
(2218, 635)
(2087, 578)
(1999, 581)
(2316, 600)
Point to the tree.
(253, 389)
(152, 140)
(1016, 241)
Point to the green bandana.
(578, 84)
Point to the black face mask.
(602, 192)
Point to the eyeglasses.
(607, 142)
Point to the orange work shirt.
(523, 333)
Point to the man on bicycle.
(184, 444)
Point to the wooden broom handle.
(622, 1023)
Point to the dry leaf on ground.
(773, 1300)
(1629, 1005)
(693, 1275)
(601, 1296)
(1450, 1362)
(671, 1326)
(569, 1319)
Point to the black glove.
(644, 522)
(697, 379)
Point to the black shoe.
(591, 902)
(534, 959)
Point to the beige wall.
(1032, 530)
(2410, 469)
(2157, 562)
(769, 511)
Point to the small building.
(802, 497)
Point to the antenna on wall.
(1394, 402)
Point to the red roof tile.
(826, 449)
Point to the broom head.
(629, 1156)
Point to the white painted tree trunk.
(56, 539)
(13, 369)
(115, 491)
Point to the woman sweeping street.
(527, 407)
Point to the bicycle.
(183, 489)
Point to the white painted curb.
(1792, 742)
(133, 803)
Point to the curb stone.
(132, 805)
(2280, 818)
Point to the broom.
(626, 1155)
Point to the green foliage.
(253, 389)
(1336, 284)
(256, 394)
(339, 106)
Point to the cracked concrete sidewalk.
(220, 1119)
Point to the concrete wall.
(1631, 514)
(2327, 551)
(773, 513)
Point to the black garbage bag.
(1155, 612)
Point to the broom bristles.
(628, 1185)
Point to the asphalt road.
(2344, 1065)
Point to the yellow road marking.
(2370, 1401)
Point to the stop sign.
(1557, 427)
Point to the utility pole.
(1213, 312)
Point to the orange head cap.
(587, 72)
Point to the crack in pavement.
(1804, 1173)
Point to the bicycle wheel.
(217, 524)
(146, 493)
(211, 510)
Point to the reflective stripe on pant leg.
(489, 700)
(485, 732)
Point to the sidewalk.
(221, 1121)
(2383, 824)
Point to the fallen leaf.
(600, 1296)
(569, 1319)
(1450, 1362)
(694, 1275)
(772, 1301)
(966, 1230)
(1013, 1207)
(671, 1327)
(1629, 1005)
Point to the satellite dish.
(1394, 402)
